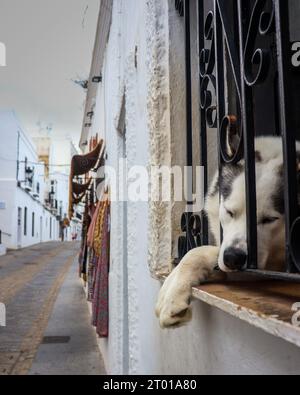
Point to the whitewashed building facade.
(31, 203)
(136, 103)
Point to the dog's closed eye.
(268, 220)
(230, 213)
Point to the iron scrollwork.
(179, 5)
(231, 129)
(257, 60)
(191, 226)
(208, 80)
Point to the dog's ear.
(258, 157)
(233, 139)
(233, 136)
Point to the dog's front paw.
(174, 302)
(173, 307)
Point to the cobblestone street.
(31, 281)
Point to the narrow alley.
(47, 329)
(149, 190)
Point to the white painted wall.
(16, 145)
(50, 226)
(142, 34)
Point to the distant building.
(33, 200)
(56, 154)
(24, 219)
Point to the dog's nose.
(235, 259)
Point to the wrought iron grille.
(251, 42)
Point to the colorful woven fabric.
(84, 249)
(98, 230)
(91, 231)
(101, 275)
(91, 275)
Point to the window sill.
(264, 304)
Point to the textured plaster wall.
(177, 111)
(160, 146)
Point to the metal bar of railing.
(288, 129)
(220, 85)
(249, 142)
(203, 116)
(189, 118)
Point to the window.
(33, 225)
(29, 174)
(248, 88)
(25, 221)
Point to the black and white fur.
(173, 307)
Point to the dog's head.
(270, 210)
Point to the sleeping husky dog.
(173, 307)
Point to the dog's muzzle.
(235, 259)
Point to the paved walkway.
(48, 326)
